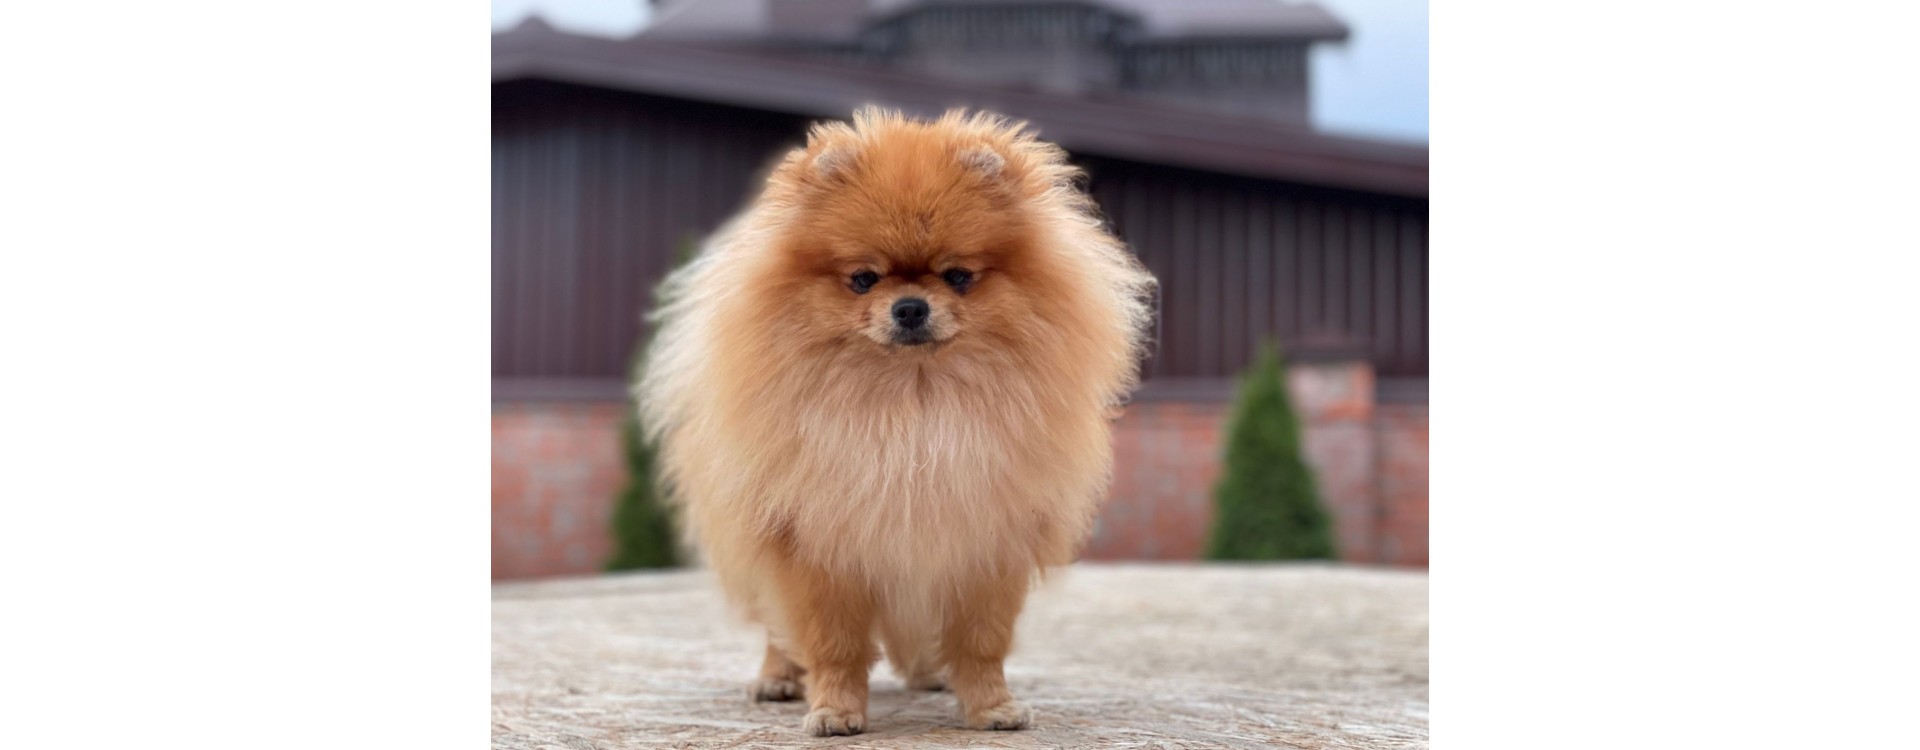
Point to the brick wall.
(557, 468)
(1369, 459)
(1402, 436)
(1166, 458)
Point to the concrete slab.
(1109, 656)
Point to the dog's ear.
(984, 161)
(831, 153)
(832, 163)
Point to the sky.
(1373, 86)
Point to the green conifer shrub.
(644, 533)
(1266, 505)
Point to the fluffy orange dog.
(882, 396)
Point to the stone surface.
(1109, 656)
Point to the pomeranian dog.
(882, 396)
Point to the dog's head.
(908, 234)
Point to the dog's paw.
(826, 722)
(1009, 715)
(928, 682)
(770, 689)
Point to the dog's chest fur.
(940, 476)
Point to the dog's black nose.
(910, 313)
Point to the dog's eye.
(958, 278)
(863, 281)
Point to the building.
(1245, 57)
(609, 155)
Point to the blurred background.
(1266, 159)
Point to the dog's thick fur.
(846, 487)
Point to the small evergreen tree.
(643, 528)
(1266, 504)
(643, 535)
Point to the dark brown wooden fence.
(1241, 260)
(594, 191)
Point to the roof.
(842, 20)
(1191, 18)
(1119, 128)
(827, 21)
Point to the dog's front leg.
(978, 635)
(832, 625)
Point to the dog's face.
(908, 241)
(901, 276)
(903, 301)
